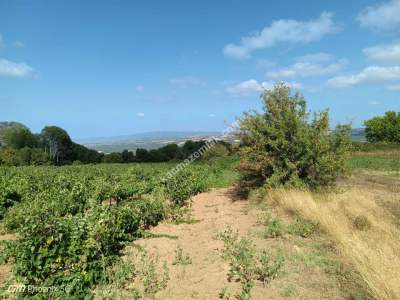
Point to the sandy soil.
(204, 278)
(5, 269)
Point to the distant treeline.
(169, 152)
(19, 146)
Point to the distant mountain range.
(358, 134)
(156, 139)
(147, 140)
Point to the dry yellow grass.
(374, 252)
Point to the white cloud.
(294, 85)
(372, 74)
(211, 115)
(394, 88)
(265, 63)
(319, 57)
(253, 86)
(384, 52)
(291, 31)
(373, 102)
(310, 65)
(13, 69)
(185, 82)
(382, 16)
(139, 88)
(140, 114)
(19, 44)
(245, 87)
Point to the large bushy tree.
(383, 128)
(20, 137)
(58, 144)
(282, 145)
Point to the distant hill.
(147, 140)
(358, 134)
(156, 139)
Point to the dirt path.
(5, 269)
(301, 278)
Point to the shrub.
(280, 146)
(181, 258)
(186, 183)
(274, 229)
(74, 251)
(361, 223)
(246, 262)
(218, 150)
(302, 228)
(383, 129)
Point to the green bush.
(281, 146)
(383, 129)
(74, 251)
(185, 184)
(302, 228)
(246, 262)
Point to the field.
(119, 231)
(71, 222)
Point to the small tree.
(280, 146)
(383, 129)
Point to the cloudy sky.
(102, 68)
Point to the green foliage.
(268, 267)
(58, 144)
(247, 264)
(24, 156)
(274, 229)
(218, 150)
(139, 268)
(181, 258)
(376, 162)
(5, 126)
(53, 144)
(18, 146)
(189, 147)
(281, 146)
(224, 294)
(152, 280)
(20, 137)
(302, 228)
(371, 147)
(185, 184)
(383, 128)
(73, 221)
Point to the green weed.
(247, 264)
(181, 258)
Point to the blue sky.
(103, 68)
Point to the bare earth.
(301, 278)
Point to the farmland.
(196, 150)
(71, 222)
(67, 227)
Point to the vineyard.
(71, 222)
